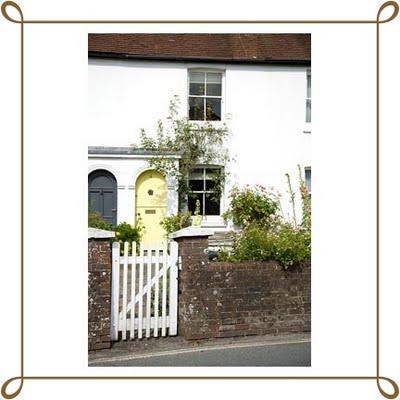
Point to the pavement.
(284, 350)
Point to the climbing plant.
(195, 143)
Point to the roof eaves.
(127, 56)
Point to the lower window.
(204, 193)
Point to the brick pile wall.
(99, 307)
(239, 299)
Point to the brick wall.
(99, 293)
(239, 299)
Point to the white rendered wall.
(264, 107)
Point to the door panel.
(95, 200)
(109, 206)
(151, 204)
(103, 195)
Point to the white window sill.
(218, 124)
(213, 221)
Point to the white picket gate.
(144, 295)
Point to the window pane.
(308, 110)
(196, 83)
(196, 108)
(211, 172)
(197, 173)
(213, 109)
(197, 77)
(308, 179)
(196, 184)
(214, 85)
(214, 77)
(212, 206)
(196, 89)
(210, 185)
(213, 89)
(192, 202)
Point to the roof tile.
(246, 47)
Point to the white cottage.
(258, 84)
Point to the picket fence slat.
(156, 291)
(124, 289)
(115, 291)
(140, 313)
(173, 290)
(133, 290)
(144, 298)
(164, 293)
(148, 297)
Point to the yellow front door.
(151, 205)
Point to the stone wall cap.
(192, 231)
(94, 233)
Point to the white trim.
(213, 221)
(94, 233)
(104, 167)
(191, 232)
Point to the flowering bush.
(265, 235)
(253, 204)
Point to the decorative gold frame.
(377, 22)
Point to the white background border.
(343, 198)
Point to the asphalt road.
(256, 355)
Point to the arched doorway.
(103, 195)
(151, 204)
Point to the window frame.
(204, 191)
(307, 127)
(205, 97)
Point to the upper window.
(308, 97)
(205, 96)
(201, 184)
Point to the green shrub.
(95, 220)
(253, 204)
(286, 244)
(125, 232)
(292, 246)
(175, 222)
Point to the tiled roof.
(254, 48)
